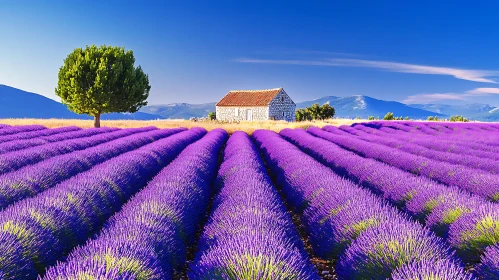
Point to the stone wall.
(225, 113)
(282, 108)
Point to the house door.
(249, 115)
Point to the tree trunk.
(97, 120)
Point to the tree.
(98, 80)
(315, 111)
(327, 111)
(389, 116)
(212, 116)
(458, 118)
(303, 115)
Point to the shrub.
(458, 118)
(389, 116)
(315, 112)
(212, 116)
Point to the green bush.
(212, 116)
(458, 118)
(315, 112)
(389, 116)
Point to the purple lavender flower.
(475, 181)
(19, 129)
(380, 250)
(33, 179)
(50, 225)
(441, 269)
(473, 232)
(23, 144)
(249, 234)
(37, 133)
(337, 212)
(17, 159)
(148, 238)
(489, 267)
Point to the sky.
(196, 51)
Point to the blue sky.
(196, 51)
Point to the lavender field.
(377, 200)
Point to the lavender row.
(156, 226)
(23, 144)
(436, 130)
(449, 212)
(37, 133)
(14, 160)
(37, 232)
(18, 129)
(372, 239)
(456, 149)
(459, 148)
(249, 234)
(4, 126)
(429, 141)
(472, 161)
(476, 181)
(463, 128)
(33, 179)
(486, 138)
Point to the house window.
(283, 114)
(236, 112)
(282, 98)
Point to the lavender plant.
(249, 234)
(48, 226)
(148, 238)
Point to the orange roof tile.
(249, 97)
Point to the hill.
(476, 111)
(16, 103)
(180, 110)
(365, 106)
(346, 107)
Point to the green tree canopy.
(389, 116)
(98, 80)
(327, 111)
(315, 112)
(212, 116)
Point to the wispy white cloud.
(482, 76)
(290, 62)
(463, 74)
(433, 97)
(483, 91)
(324, 53)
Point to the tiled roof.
(249, 97)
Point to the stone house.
(256, 105)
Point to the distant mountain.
(346, 107)
(490, 116)
(180, 110)
(365, 106)
(16, 103)
(467, 110)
